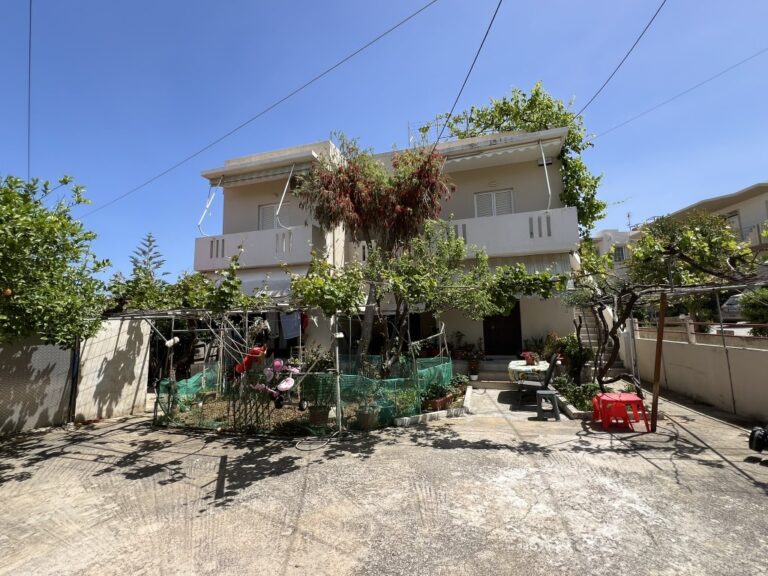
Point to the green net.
(366, 402)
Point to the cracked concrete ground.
(491, 493)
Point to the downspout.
(546, 175)
(74, 377)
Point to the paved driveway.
(493, 493)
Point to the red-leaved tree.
(382, 207)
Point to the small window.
(618, 254)
(268, 217)
(494, 203)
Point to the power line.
(683, 93)
(469, 72)
(625, 57)
(29, 94)
(263, 112)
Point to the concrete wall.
(241, 206)
(529, 187)
(113, 371)
(34, 386)
(537, 318)
(700, 372)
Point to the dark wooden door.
(502, 335)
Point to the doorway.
(502, 334)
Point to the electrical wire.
(261, 113)
(681, 94)
(623, 59)
(29, 95)
(466, 78)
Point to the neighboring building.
(503, 203)
(745, 210)
(615, 242)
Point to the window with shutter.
(503, 202)
(494, 203)
(483, 204)
(267, 217)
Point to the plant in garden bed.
(578, 395)
(437, 396)
(459, 384)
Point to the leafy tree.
(333, 290)
(699, 250)
(47, 265)
(754, 307)
(383, 209)
(145, 289)
(532, 113)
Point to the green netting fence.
(366, 402)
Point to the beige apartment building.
(506, 201)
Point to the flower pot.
(473, 377)
(530, 361)
(368, 419)
(318, 415)
(436, 404)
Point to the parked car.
(731, 308)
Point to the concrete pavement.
(492, 493)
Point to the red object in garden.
(609, 406)
(253, 354)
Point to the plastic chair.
(617, 411)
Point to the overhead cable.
(623, 59)
(260, 114)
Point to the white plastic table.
(518, 368)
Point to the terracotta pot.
(318, 415)
(368, 419)
(436, 404)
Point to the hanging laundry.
(290, 324)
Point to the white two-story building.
(506, 201)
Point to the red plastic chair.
(595, 409)
(615, 411)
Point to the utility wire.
(469, 72)
(29, 94)
(263, 112)
(681, 94)
(623, 59)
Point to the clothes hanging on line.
(290, 324)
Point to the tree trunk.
(368, 317)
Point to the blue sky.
(121, 90)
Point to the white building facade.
(506, 201)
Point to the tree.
(47, 266)
(532, 113)
(754, 307)
(697, 251)
(382, 209)
(145, 289)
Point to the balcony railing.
(540, 232)
(262, 248)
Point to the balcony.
(262, 248)
(540, 232)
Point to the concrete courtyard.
(490, 493)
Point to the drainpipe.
(74, 378)
(546, 175)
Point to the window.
(268, 218)
(619, 254)
(494, 203)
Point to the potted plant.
(437, 396)
(459, 384)
(531, 358)
(367, 415)
(474, 355)
(318, 387)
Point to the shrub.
(578, 395)
(754, 308)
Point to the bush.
(754, 308)
(437, 390)
(578, 395)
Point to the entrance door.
(502, 334)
